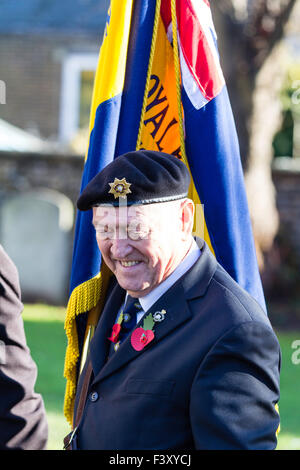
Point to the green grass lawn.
(44, 327)
(46, 339)
(289, 436)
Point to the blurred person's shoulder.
(8, 273)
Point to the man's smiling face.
(141, 245)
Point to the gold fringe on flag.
(87, 297)
(84, 298)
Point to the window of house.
(78, 71)
(86, 91)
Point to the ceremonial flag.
(159, 86)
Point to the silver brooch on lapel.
(159, 316)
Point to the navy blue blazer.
(208, 380)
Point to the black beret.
(143, 177)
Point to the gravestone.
(36, 231)
(296, 132)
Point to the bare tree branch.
(249, 40)
(257, 25)
(268, 20)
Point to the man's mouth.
(127, 264)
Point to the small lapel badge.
(159, 316)
(126, 317)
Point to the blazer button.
(94, 396)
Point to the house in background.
(49, 51)
(14, 139)
(48, 56)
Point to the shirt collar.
(193, 254)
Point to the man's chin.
(138, 294)
(135, 291)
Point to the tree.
(250, 33)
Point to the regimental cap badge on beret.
(154, 177)
(119, 188)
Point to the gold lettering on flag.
(160, 129)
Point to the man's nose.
(120, 248)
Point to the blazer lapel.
(197, 279)
(175, 301)
(177, 312)
(100, 343)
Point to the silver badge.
(159, 316)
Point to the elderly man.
(182, 357)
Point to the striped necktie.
(129, 320)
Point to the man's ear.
(187, 217)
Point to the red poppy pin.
(140, 338)
(115, 333)
(143, 336)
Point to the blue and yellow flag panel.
(159, 86)
(87, 283)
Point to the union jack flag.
(202, 76)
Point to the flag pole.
(151, 56)
(177, 75)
